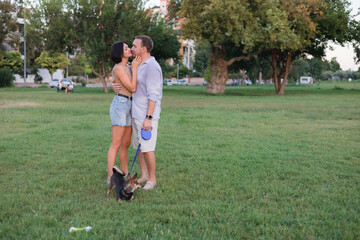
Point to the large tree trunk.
(219, 71)
(281, 67)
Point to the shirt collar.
(150, 59)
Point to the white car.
(248, 82)
(182, 82)
(54, 83)
(67, 81)
(168, 82)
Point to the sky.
(344, 55)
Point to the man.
(146, 108)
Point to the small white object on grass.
(74, 229)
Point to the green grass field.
(247, 165)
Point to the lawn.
(247, 165)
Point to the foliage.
(38, 78)
(183, 71)
(79, 65)
(166, 44)
(6, 77)
(318, 66)
(168, 70)
(13, 60)
(203, 51)
(299, 67)
(52, 61)
(8, 25)
(207, 74)
(357, 52)
(282, 30)
(327, 75)
(334, 65)
(254, 66)
(36, 36)
(94, 26)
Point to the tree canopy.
(93, 26)
(52, 61)
(13, 60)
(280, 29)
(8, 25)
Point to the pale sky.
(344, 55)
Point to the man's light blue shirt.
(149, 87)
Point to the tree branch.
(246, 58)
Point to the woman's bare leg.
(124, 150)
(117, 136)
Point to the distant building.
(187, 49)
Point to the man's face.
(136, 47)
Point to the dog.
(124, 186)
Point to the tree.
(299, 67)
(203, 50)
(357, 53)
(166, 43)
(339, 75)
(6, 77)
(35, 36)
(79, 66)
(168, 70)
(316, 67)
(52, 61)
(13, 60)
(280, 29)
(94, 26)
(327, 75)
(8, 25)
(222, 24)
(334, 65)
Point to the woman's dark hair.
(117, 51)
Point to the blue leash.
(137, 151)
(146, 135)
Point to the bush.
(38, 79)
(6, 77)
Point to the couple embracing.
(135, 106)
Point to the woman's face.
(127, 51)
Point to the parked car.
(306, 80)
(248, 82)
(54, 83)
(67, 81)
(168, 82)
(182, 82)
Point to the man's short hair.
(146, 42)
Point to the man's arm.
(147, 122)
(153, 91)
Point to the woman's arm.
(129, 83)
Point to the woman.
(120, 109)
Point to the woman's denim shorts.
(120, 111)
